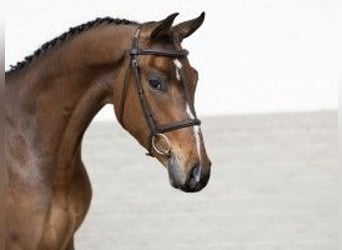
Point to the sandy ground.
(273, 187)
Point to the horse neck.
(62, 93)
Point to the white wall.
(253, 56)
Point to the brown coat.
(50, 101)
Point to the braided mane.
(66, 36)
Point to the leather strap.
(178, 125)
(124, 94)
(152, 125)
(157, 52)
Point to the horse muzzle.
(188, 179)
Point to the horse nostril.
(196, 173)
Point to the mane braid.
(66, 36)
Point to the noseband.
(156, 131)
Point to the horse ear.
(162, 28)
(185, 29)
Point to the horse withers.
(53, 95)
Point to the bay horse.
(51, 98)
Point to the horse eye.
(156, 84)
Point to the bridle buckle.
(135, 62)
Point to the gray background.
(273, 187)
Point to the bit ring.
(164, 152)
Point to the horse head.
(157, 101)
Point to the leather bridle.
(156, 131)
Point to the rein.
(155, 131)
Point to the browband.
(156, 52)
